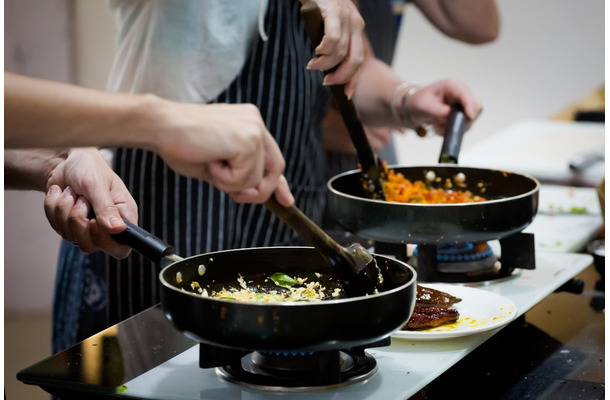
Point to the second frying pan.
(512, 201)
(511, 206)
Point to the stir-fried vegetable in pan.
(289, 289)
(399, 189)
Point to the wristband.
(398, 109)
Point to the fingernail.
(325, 82)
(54, 191)
(68, 191)
(81, 203)
(115, 222)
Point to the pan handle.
(145, 243)
(457, 124)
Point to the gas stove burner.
(467, 263)
(467, 252)
(300, 371)
(464, 259)
(469, 258)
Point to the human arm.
(227, 145)
(75, 180)
(375, 97)
(336, 137)
(471, 21)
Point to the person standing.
(469, 21)
(172, 49)
(263, 57)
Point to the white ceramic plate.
(479, 310)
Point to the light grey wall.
(64, 40)
(36, 42)
(550, 53)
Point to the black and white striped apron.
(96, 291)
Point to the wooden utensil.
(372, 168)
(355, 267)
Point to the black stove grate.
(291, 370)
(466, 263)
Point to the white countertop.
(404, 368)
(567, 219)
(542, 149)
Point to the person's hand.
(227, 145)
(84, 180)
(342, 43)
(431, 104)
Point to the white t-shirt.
(173, 48)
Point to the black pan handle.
(369, 162)
(144, 242)
(457, 124)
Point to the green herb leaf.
(283, 280)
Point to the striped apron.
(96, 291)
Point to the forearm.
(471, 21)
(373, 95)
(384, 100)
(30, 169)
(41, 113)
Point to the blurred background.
(550, 53)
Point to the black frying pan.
(511, 206)
(325, 325)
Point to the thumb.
(106, 213)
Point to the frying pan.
(297, 326)
(512, 202)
